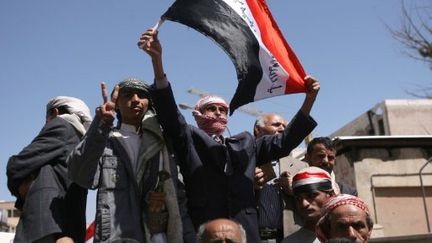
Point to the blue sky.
(50, 48)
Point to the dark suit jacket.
(211, 192)
(53, 203)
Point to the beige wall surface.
(401, 210)
(397, 117)
(387, 179)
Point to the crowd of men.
(242, 188)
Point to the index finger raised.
(115, 94)
(104, 92)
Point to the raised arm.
(312, 88)
(84, 159)
(149, 42)
(273, 147)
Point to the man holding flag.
(219, 171)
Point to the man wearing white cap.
(312, 187)
(53, 208)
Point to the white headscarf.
(79, 116)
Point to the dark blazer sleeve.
(189, 234)
(273, 147)
(172, 121)
(176, 129)
(49, 146)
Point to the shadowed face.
(132, 105)
(350, 222)
(309, 204)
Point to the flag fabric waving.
(90, 231)
(265, 64)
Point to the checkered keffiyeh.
(210, 99)
(211, 125)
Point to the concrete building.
(12, 216)
(386, 154)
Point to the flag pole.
(155, 28)
(158, 25)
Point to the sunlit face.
(222, 231)
(132, 104)
(215, 111)
(322, 157)
(309, 204)
(273, 124)
(350, 222)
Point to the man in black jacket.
(219, 171)
(53, 208)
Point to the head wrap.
(79, 113)
(330, 205)
(210, 99)
(134, 83)
(211, 125)
(311, 179)
(138, 85)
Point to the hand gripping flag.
(265, 64)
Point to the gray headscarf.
(79, 114)
(134, 84)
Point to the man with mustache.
(219, 171)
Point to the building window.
(16, 213)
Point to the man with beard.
(345, 216)
(322, 153)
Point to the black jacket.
(53, 203)
(211, 192)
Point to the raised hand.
(312, 88)
(106, 111)
(149, 42)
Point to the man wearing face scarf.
(53, 208)
(219, 171)
(131, 166)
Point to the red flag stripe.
(90, 231)
(306, 175)
(274, 41)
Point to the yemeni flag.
(265, 64)
(90, 231)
